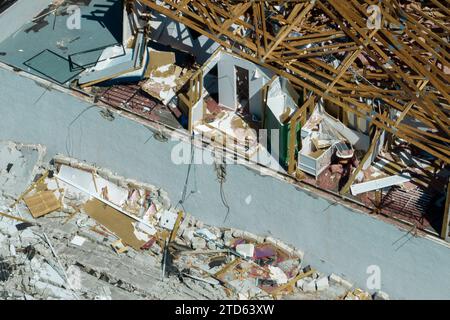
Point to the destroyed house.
(320, 97)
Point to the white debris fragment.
(227, 237)
(246, 288)
(309, 286)
(105, 295)
(12, 250)
(206, 233)
(78, 241)
(46, 289)
(146, 228)
(245, 249)
(300, 283)
(140, 235)
(83, 222)
(168, 219)
(322, 284)
(8, 229)
(28, 297)
(199, 224)
(335, 279)
(198, 243)
(278, 275)
(50, 275)
(346, 284)
(242, 296)
(281, 245)
(35, 265)
(380, 295)
(188, 234)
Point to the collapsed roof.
(387, 62)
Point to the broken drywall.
(18, 166)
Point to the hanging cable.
(221, 172)
(186, 182)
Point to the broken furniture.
(323, 137)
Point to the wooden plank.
(292, 133)
(176, 226)
(42, 203)
(446, 218)
(121, 225)
(285, 31)
(31, 187)
(292, 282)
(13, 217)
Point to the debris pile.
(81, 232)
(163, 77)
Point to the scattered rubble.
(83, 232)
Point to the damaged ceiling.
(385, 70)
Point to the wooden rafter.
(404, 65)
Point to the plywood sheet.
(118, 223)
(161, 58)
(42, 203)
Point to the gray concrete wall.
(333, 237)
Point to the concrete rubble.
(161, 253)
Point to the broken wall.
(258, 77)
(18, 166)
(282, 101)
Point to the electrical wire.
(68, 136)
(186, 182)
(221, 172)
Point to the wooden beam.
(292, 132)
(292, 282)
(287, 29)
(176, 226)
(446, 219)
(410, 104)
(306, 68)
(31, 187)
(14, 217)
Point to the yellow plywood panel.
(115, 221)
(42, 203)
(160, 58)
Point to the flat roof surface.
(43, 45)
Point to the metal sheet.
(379, 184)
